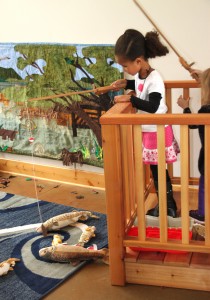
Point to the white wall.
(185, 23)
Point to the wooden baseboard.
(52, 173)
(168, 276)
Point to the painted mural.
(59, 125)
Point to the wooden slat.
(151, 257)
(190, 84)
(162, 183)
(169, 99)
(131, 171)
(184, 183)
(125, 173)
(186, 93)
(170, 119)
(200, 260)
(193, 246)
(139, 182)
(169, 105)
(194, 181)
(178, 259)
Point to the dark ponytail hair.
(133, 44)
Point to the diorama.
(44, 106)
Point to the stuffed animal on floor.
(57, 239)
(63, 220)
(87, 234)
(200, 229)
(7, 265)
(73, 254)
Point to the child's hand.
(183, 103)
(122, 98)
(119, 84)
(196, 73)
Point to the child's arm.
(196, 73)
(150, 106)
(124, 84)
(183, 103)
(119, 84)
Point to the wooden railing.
(186, 88)
(127, 186)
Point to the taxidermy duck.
(8, 265)
(73, 254)
(63, 220)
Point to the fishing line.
(31, 141)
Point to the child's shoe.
(197, 217)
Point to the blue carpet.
(34, 277)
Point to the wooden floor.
(93, 280)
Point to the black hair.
(133, 44)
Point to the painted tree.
(54, 70)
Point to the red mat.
(154, 232)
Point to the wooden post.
(114, 201)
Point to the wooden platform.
(182, 270)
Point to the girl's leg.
(154, 211)
(171, 204)
(199, 214)
(154, 169)
(201, 196)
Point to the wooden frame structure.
(127, 186)
(52, 173)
